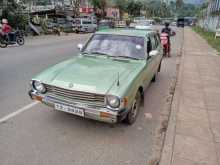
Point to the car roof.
(126, 31)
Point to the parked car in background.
(137, 19)
(107, 80)
(120, 24)
(86, 25)
(144, 25)
(132, 25)
(105, 24)
(180, 22)
(63, 24)
(173, 23)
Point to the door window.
(153, 42)
(149, 45)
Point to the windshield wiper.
(98, 53)
(126, 57)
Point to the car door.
(152, 63)
(148, 73)
(157, 46)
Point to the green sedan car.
(106, 80)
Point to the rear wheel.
(134, 111)
(154, 78)
(20, 41)
(159, 68)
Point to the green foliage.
(180, 9)
(133, 8)
(100, 5)
(156, 9)
(179, 4)
(15, 14)
(209, 37)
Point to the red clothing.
(6, 28)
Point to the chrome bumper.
(95, 114)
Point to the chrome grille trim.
(71, 96)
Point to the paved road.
(41, 136)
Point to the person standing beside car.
(169, 33)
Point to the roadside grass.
(209, 37)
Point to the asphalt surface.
(42, 136)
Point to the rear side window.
(153, 42)
(157, 39)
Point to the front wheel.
(3, 44)
(134, 111)
(20, 41)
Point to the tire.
(159, 68)
(20, 41)
(3, 45)
(154, 78)
(134, 111)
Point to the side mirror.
(153, 53)
(80, 46)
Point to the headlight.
(39, 87)
(113, 101)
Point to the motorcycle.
(16, 37)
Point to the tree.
(121, 5)
(179, 4)
(156, 9)
(15, 14)
(134, 7)
(99, 5)
(75, 6)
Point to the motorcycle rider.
(168, 31)
(6, 29)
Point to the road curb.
(165, 133)
(164, 127)
(169, 139)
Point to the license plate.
(69, 109)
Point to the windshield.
(144, 23)
(116, 46)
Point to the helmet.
(167, 24)
(4, 21)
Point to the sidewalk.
(193, 135)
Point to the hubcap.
(135, 107)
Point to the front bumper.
(89, 113)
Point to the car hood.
(90, 74)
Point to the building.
(211, 18)
(60, 6)
(85, 7)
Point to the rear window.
(87, 22)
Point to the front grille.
(70, 95)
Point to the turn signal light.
(125, 101)
(38, 98)
(105, 114)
